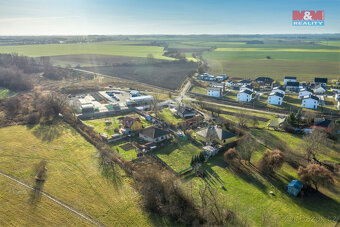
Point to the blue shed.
(294, 187)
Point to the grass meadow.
(248, 191)
(74, 176)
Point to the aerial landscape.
(169, 113)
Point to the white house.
(275, 98)
(214, 91)
(310, 102)
(247, 87)
(292, 86)
(319, 90)
(219, 85)
(337, 97)
(289, 79)
(280, 90)
(338, 105)
(152, 134)
(244, 96)
(305, 92)
(244, 82)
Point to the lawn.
(199, 90)
(178, 156)
(4, 93)
(247, 194)
(168, 117)
(74, 176)
(104, 48)
(100, 126)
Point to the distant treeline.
(26, 64)
(14, 79)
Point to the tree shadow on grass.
(35, 196)
(111, 172)
(48, 133)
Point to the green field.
(74, 176)
(168, 117)
(247, 191)
(4, 93)
(104, 48)
(178, 156)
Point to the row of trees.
(14, 79)
(26, 64)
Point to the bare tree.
(246, 147)
(242, 119)
(154, 104)
(271, 161)
(315, 174)
(313, 142)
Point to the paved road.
(84, 216)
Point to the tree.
(271, 161)
(255, 122)
(246, 148)
(313, 141)
(154, 105)
(242, 119)
(232, 157)
(40, 170)
(150, 58)
(315, 174)
(291, 119)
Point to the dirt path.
(84, 216)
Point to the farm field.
(74, 176)
(104, 48)
(17, 208)
(168, 75)
(247, 191)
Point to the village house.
(320, 81)
(275, 98)
(221, 77)
(292, 86)
(247, 87)
(185, 112)
(305, 92)
(210, 151)
(289, 79)
(215, 133)
(133, 124)
(153, 134)
(280, 90)
(264, 81)
(244, 96)
(322, 123)
(219, 85)
(244, 82)
(214, 91)
(310, 102)
(319, 89)
(207, 77)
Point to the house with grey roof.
(153, 134)
(215, 133)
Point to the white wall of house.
(279, 91)
(339, 105)
(245, 88)
(309, 103)
(288, 80)
(336, 96)
(274, 100)
(148, 139)
(304, 93)
(243, 97)
(320, 90)
(214, 93)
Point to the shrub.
(271, 161)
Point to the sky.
(114, 17)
